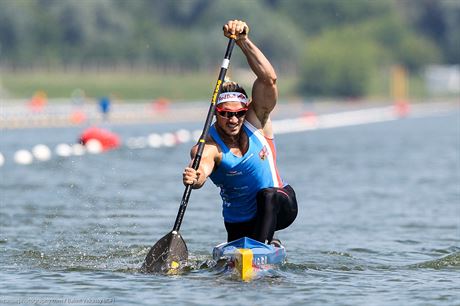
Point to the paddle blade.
(167, 255)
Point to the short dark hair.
(230, 86)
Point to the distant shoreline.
(63, 114)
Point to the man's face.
(230, 117)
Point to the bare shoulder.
(264, 125)
(211, 149)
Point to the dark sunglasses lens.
(240, 114)
(229, 115)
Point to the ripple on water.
(369, 229)
(451, 261)
(74, 258)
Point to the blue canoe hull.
(246, 253)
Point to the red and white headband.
(232, 96)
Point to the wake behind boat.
(249, 258)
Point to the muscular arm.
(198, 178)
(264, 90)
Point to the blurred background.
(376, 83)
(146, 49)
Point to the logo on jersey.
(263, 153)
(234, 173)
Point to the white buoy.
(93, 146)
(63, 150)
(169, 139)
(78, 149)
(2, 159)
(41, 152)
(155, 140)
(23, 157)
(183, 135)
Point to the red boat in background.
(106, 138)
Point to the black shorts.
(276, 210)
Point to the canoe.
(249, 257)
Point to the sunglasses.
(229, 114)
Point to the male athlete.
(240, 156)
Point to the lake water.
(379, 221)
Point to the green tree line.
(337, 47)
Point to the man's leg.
(276, 209)
(288, 210)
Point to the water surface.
(379, 220)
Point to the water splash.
(451, 261)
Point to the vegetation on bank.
(126, 86)
(129, 86)
(322, 48)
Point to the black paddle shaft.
(204, 134)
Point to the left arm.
(264, 90)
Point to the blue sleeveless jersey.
(240, 178)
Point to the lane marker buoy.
(183, 136)
(154, 140)
(169, 139)
(23, 157)
(41, 152)
(63, 150)
(309, 121)
(94, 146)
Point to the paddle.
(170, 252)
